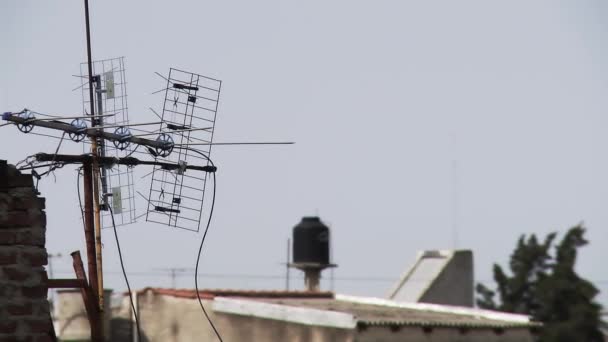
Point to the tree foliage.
(544, 285)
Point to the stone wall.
(24, 309)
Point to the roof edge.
(451, 309)
(213, 293)
(286, 313)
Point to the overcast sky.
(410, 118)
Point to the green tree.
(545, 286)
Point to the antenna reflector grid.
(176, 196)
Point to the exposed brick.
(24, 309)
(34, 292)
(8, 257)
(8, 237)
(12, 219)
(8, 327)
(23, 192)
(35, 257)
(17, 180)
(16, 273)
(20, 218)
(11, 291)
(38, 325)
(44, 338)
(42, 308)
(31, 237)
(21, 201)
(15, 338)
(23, 236)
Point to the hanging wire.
(52, 167)
(124, 273)
(79, 172)
(200, 249)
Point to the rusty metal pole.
(98, 252)
(89, 234)
(90, 301)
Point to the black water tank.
(311, 241)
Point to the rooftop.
(341, 311)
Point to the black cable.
(79, 197)
(52, 167)
(200, 249)
(124, 273)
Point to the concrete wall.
(172, 319)
(71, 321)
(454, 285)
(24, 309)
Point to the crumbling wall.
(24, 309)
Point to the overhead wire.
(124, 273)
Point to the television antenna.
(178, 178)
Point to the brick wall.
(24, 309)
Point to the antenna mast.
(91, 192)
(178, 179)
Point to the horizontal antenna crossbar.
(109, 161)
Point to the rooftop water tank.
(311, 242)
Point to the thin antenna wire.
(155, 113)
(287, 264)
(455, 204)
(241, 143)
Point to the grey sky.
(381, 98)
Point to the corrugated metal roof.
(382, 315)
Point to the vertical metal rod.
(90, 64)
(287, 265)
(91, 186)
(102, 145)
(455, 204)
(97, 150)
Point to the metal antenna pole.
(287, 264)
(173, 274)
(92, 201)
(89, 235)
(97, 148)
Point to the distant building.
(432, 302)
(175, 315)
(439, 277)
